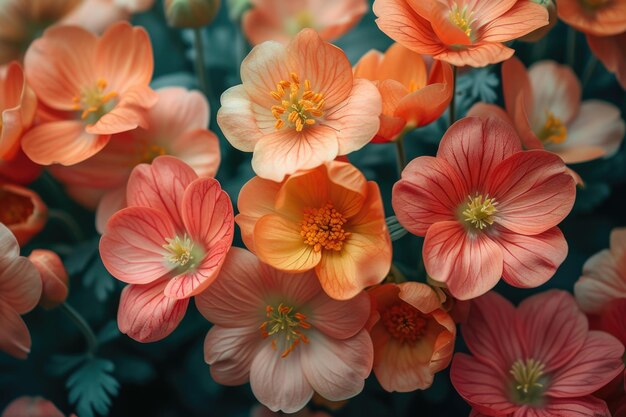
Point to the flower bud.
(22, 211)
(190, 13)
(537, 34)
(53, 276)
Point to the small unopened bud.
(53, 276)
(537, 34)
(190, 13)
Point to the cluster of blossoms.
(313, 303)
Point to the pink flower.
(539, 360)
(20, 290)
(32, 407)
(169, 244)
(283, 333)
(487, 209)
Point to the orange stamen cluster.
(554, 130)
(14, 208)
(462, 19)
(282, 320)
(93, 100)
(322, 228)
(299, 105)
(404, 322)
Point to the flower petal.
(20, 284)
(603, 280)
(264, 67)
(555, 89)
(521, 19)
(587, 406)
(200, 149)
(256, 199)
(14, 335)
(339, 319)
(477, 55)
(237, 119)
(230, 352)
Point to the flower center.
(181, 252)
(553, 131)
(286, 327)
(462, 19)
(322, 228)
(480, 211)
(150, 152)
(528, 381)
(405, 323)
(15, 208)
(95, 102)
(299, 105)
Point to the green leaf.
(108, 332)
(61, 364)
(99, 280)
(92, 386)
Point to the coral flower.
(17, 109)
(32, 407)
(177, 127)
(22, 211)
(525, 365)
(53, 277)
(413, 338)
(169, 244)
(101, 85)
(298, 107)
(487, 209)
(281, 20)
(281, 332)
(330, 219)
(20, 289)
(611, 52)
(411, 96)
(594, 17)
(460, 32)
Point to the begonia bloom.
(412, 96)
(611, 52)
(32, 407)
(487, 209)
(169, 244)
(330, 219)
(281, 20)
(460, 32)
(522, 364)
(298, 107)
(17, 109)
(281, 332)
(594, 17)
(413, 337)
(20, 290)
(22, 211)
(98, 86)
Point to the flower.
(190, 13)
(538, 34)
(19, 169)
(17, 109)
(604, 276)
(459, 32)
(298, 107)
(411, 96)
(594, 17)
(261, 411)
(330, 219)
(610, 51)
(169, 244)
(177, 127)
(22, 211)
(487, 209)
(281, 20)
(32, 407)
(281, 332)
(522, 364)
(413, 337)
(53, 276)
(20, 290)
(96, 86)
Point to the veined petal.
(14, 335)
(230, 352)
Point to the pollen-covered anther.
(323, 228)
(554, 130)
(480, 211)
(299, 104)
(462, 19)
(405, 323)
(282, 321)
(180, 251)
(94, 101)
(528, 380)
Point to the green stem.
(571, 47)
(69, 222)
(83, 326)
(400, 153)
(452, 110)
(589, 68)
(200, 69)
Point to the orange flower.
(97, 87)
(411, 97)
(460, 32)
(611, 52)
(281, 20)
(329, 218)
(22, 211)
(413, 337)
(594, 17)
(17, 109)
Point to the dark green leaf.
(92, 386)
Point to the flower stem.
(570, 56)
(400, 154)
(200, 69)
(83, 326)
(452, 110)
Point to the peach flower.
(169, 244)
(281, 20)
(412, 97)
(20, 290)
(298, 107)
(17, 109)
(525, 365)
(32, 407)
(282, 333)
(611, 52)
(594, 17)
(22, 211)
(98, 86)
(487, 209)
(460, 32)
(177, 126)
(330, 219)
(413, 337)
(53, 277)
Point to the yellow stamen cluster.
(461, 19)
(94, 100)
(528, 379)
(180, 250)
(299, 105)
(553, 131)
(282, 320)
(480, 211)
(322, 228)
